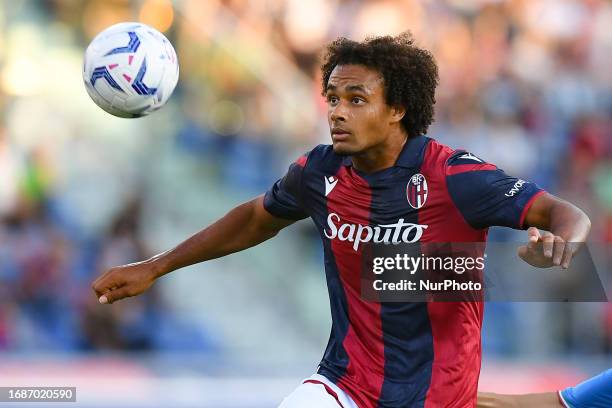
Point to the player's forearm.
(542, 400)
(239, 229)
(560, 217)
(569, 222)
(491, 400)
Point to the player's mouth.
(339, 134)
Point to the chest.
(396, 195)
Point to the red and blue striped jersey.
(400, 354)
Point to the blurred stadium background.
(525, 84)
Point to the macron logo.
(330, 183)
(470, 156)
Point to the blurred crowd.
(525, 84)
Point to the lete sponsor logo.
(389, 233)
(416, 191)
(515, 188)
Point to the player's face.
(358, 115)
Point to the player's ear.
(397, 113)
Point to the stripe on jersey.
(562, 400)
(301, 161)
(406, 328)
(365, 351)
(462, 168)
(455, 326)
(335, 359)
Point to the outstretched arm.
(565, 225)
(543, 400)
(243, 227)
(596, 392)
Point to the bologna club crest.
(416, 191)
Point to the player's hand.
(545, 250)
(124, 281)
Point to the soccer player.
(381, 181)
(595, 392)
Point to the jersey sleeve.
(284, 198)
(485, 195)
(595, 392)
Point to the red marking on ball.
(130, 58)
(127, 77)
(111, 66)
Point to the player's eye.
(357, 100)
(332, 99)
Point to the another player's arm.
(543, 400)
(243, 227)
(596, 392)
(565, 227)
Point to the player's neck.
(381, 156)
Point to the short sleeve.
(283, 199)
(485, 195)
(595, 392)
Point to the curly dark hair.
(410, 73)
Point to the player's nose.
(338, 114)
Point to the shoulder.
(462, 161)
(437, 157)
(323, 158)
(453, 161)
(443, 162)
(435, 149)
(436, 154)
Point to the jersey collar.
(411, 155)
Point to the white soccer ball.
(130, 70)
